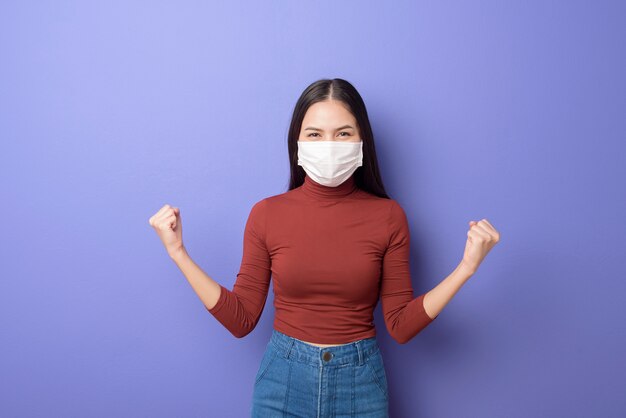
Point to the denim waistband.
(353, 353)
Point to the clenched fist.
(168, 225)
(481, 238)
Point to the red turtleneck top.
(332, 252)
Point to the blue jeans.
(296, 379)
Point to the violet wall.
(510, 111)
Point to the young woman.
(334, 244)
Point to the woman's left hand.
(481, 238)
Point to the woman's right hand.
(169, 227)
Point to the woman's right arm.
(168, 224)
(207, 289)
(239, 309)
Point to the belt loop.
(359, 349)
(289, 346)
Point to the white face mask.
(330, 163)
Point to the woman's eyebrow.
(340, 128)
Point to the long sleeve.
(404, 315)
(239, 310)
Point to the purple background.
(510, 111)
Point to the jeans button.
(327, 356)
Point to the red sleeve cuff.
(426, 316)
(220, 301)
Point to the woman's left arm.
(481, 238)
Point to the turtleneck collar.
(319, 191)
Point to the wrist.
(178, 254)
(467, 268)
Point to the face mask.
(330, 163)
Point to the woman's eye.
(340, 133)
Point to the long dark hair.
(367, 176)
